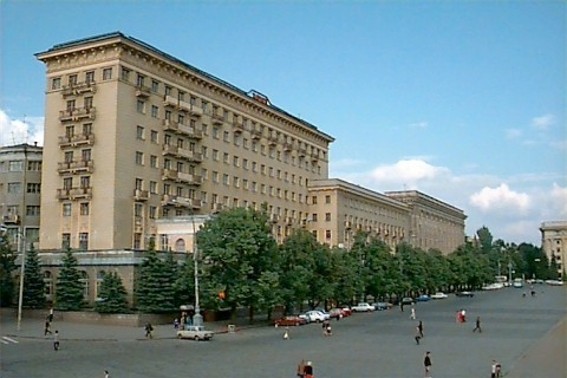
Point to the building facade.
(554, 243)
(432, 223)
(140, 146)
(20, 188)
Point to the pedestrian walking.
(148, 328)
(176, 323)
(495, 369)
(50, 316)
(417, 336)
(420, 328)
(412, 313)
(308, 370)
(301, 369)
(56, 340)
(427, 364)
(47, 328)
(286, 334)
(106, 374)
(328, 330)
(477, 325)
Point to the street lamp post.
(22, 248)
(197, 318)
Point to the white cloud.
(501, 198)
(559, 197)
(15, 131)
(543, 122)
(419, 125)
(513, 133)
(408, 172)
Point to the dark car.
(469, 294)
(291, 320)
(381, 306)
(407, 301)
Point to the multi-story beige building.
(20, 185)
(554, 243)
(432, 223)
(133, 135)
(338, 209)
(140, 145)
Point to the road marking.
(7, 340)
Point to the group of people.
(305, 369)
(47, 330)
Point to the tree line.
(241, 265)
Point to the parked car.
(423, 298)
(407, 301)
(469, 294)
(363, 307)
(195, 333)
(290, 320)
(314, 316)
(381, 306)
(439, 295)
(347, 311)
(554, 282)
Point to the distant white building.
(554, 242)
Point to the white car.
(195, 333)
(439, 295)
(363, 307)
(315, 316)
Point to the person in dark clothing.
(420, 328)
(47, 328)
(56, 340)
(148, 328)
(427, 364)
(477, 325)
(417, 335)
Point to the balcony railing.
(81, 193)
(76, 140)
(170, 101)
(189, 178)
(179, 201)
(63, 194)
(143, 91)
(217, 117)
(77, 114)
(141, 195)
(217, 207)
(179, 128)
(78, 88)
(79, 166)
(256, 134)
(11, 219)
(182, 153)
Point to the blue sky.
(464, 101)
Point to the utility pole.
(22, 237)
(197, 318)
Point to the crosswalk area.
(8, 340)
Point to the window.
(254, 186)
(65, 241)
(225, 179)
(314, 233)
(327, 234)
(140, 132)
(245, 164)
(85, 182)
(236, 161)
(33, 188)
(215, 177)
(125, 74)
(327, 217)
(34, 165)
(66, 209)
(70, 105)
(327, 199)
(89, 77)
(139, 184)
(154, 136)
(216, 155)
(83, 241)
(15, 166)
(67, 183)
(225, 158)
(236, 182)
(86, 154)
(216, 132)
(73, 80)
(226, 136)
(204, 151)
(263, 169)
(139, 158)
(153, 161)
(55, 83)
(140, 80)
(138, 210)
(32, 211)
(14, 187)
(107, 74)
(87, 128)
(84, 208)
(153, 187)
(314, 217)
(155, 111)
(254, 166)
(314, 200)
(155, 86)
(168, 90)
(153, 212)
(141, 106)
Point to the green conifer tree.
(155, 285)
(69, 289)
(34, 286)
(112, 294)
(7, 266)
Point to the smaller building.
(554, 243)
(177, 234)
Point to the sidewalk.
(34, 328)
(547, 358)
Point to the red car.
(337, 311)
(290, 320)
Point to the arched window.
(85, 281)
(48, 280)
(180, 245)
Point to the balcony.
(73, 167)
(143, 91)
(79, 140)
(301, 152)
(182, 153)
(11, 219)
(77, 114)
(218, 118)
(179, 201)
(85, 193)
(141, 195)
(78, 88)
(63, 194)
(170, 101)
(188, 178)
(348, 225)
(138, 224)
(256, 134)
(289, 221)
(288, 147)
(274, 218)
(218, 207)
(238, 126)
(179, 128)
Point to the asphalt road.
(365, 345)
